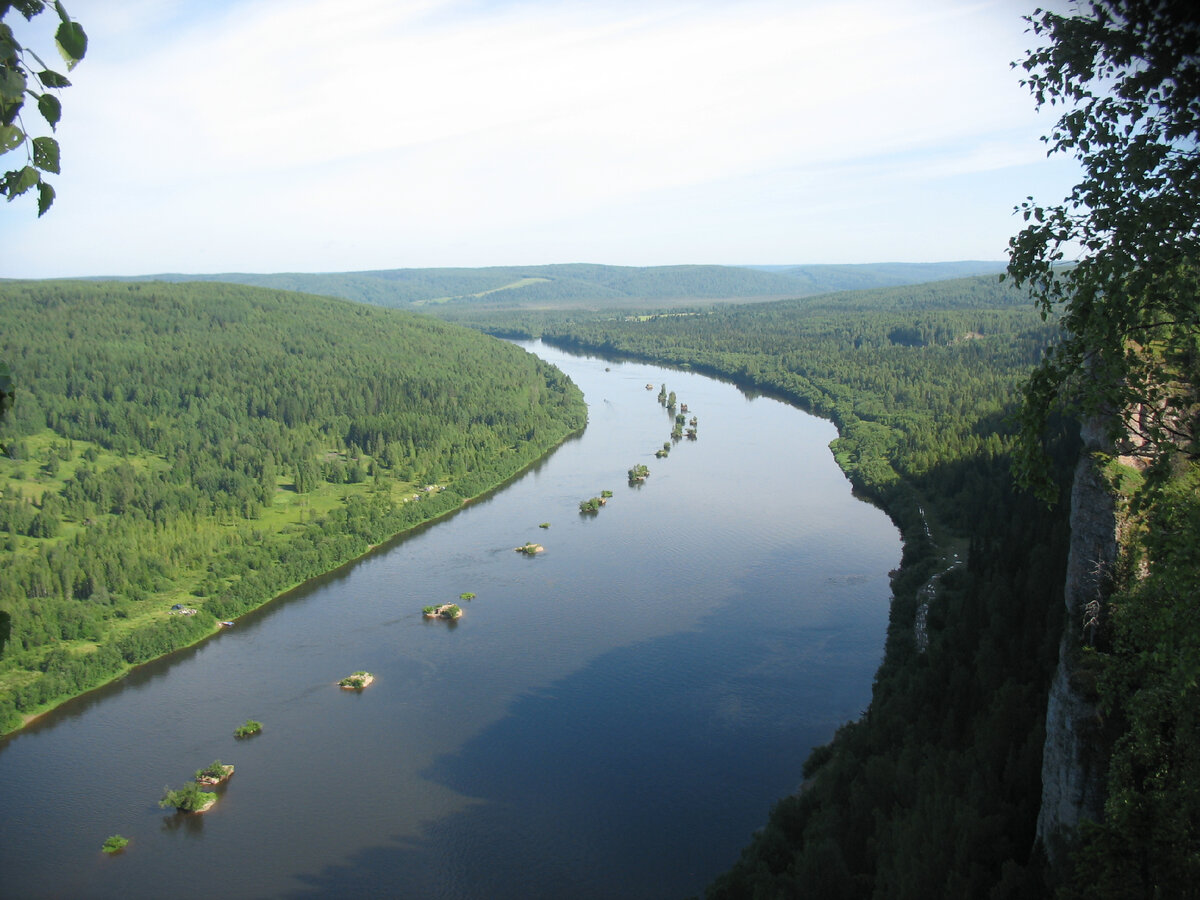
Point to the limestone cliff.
(1074, 759)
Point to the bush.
(251, 727)
(216, 769)
(188, 798)
(115, 844)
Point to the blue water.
(612, 717)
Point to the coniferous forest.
(209, 446)
(935, 790)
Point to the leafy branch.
(25, 76)
(1120, 256)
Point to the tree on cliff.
(1126, 74)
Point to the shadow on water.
(649, 739)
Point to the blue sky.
(321, 135)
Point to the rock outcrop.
(1075, 757)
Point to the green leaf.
(72, 43)
(45, 154)
(9, 46)
(45, 198)
(52, 79)
(23, 181)
(50, 108)
(11, 137)
(12, 85)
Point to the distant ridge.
(592, 285)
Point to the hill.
(209, 446)
(588, 285)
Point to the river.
(610, 718)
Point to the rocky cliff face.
(1074, 761)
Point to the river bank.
(206, 624)
(712, 634)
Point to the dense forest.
(916, 378)
(584, 285)
(208, 446)
(935, 791)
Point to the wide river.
(610, 718)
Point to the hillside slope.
(583, 284)
(212, 445)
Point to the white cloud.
(320, 135)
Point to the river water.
(610, 718)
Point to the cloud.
(326, 135)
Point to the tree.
(189, 798)
(1127, 74)
(24, 74)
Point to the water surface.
(612, 717)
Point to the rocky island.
(357, 681)
(214, 774)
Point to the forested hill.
(212, 445)
(580, 284)
(935, 791)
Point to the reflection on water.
(612, 717)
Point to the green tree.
(188, 798)
(24, 75)
(1127, 76)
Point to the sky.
(207, 136)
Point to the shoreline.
(28, 719)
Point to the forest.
(585, 285)
(916, 378)
(936, 789)
(209, 446)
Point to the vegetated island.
(250, 728)
(188, 799)
(214, 773)
(357, 681)
(114, 843)
(260, 462)
(445, 611)
(638, 474)
(530, 549)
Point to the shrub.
(216, 769)
(251, 727)
(188, 798)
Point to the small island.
(530, 549)
(445, 611)
(188, 799)
(214, 773)
(638, 474)
(250, 728)
(115, 844)
(357, 681)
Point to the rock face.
(1075, 757)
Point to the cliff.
(1074, 759)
